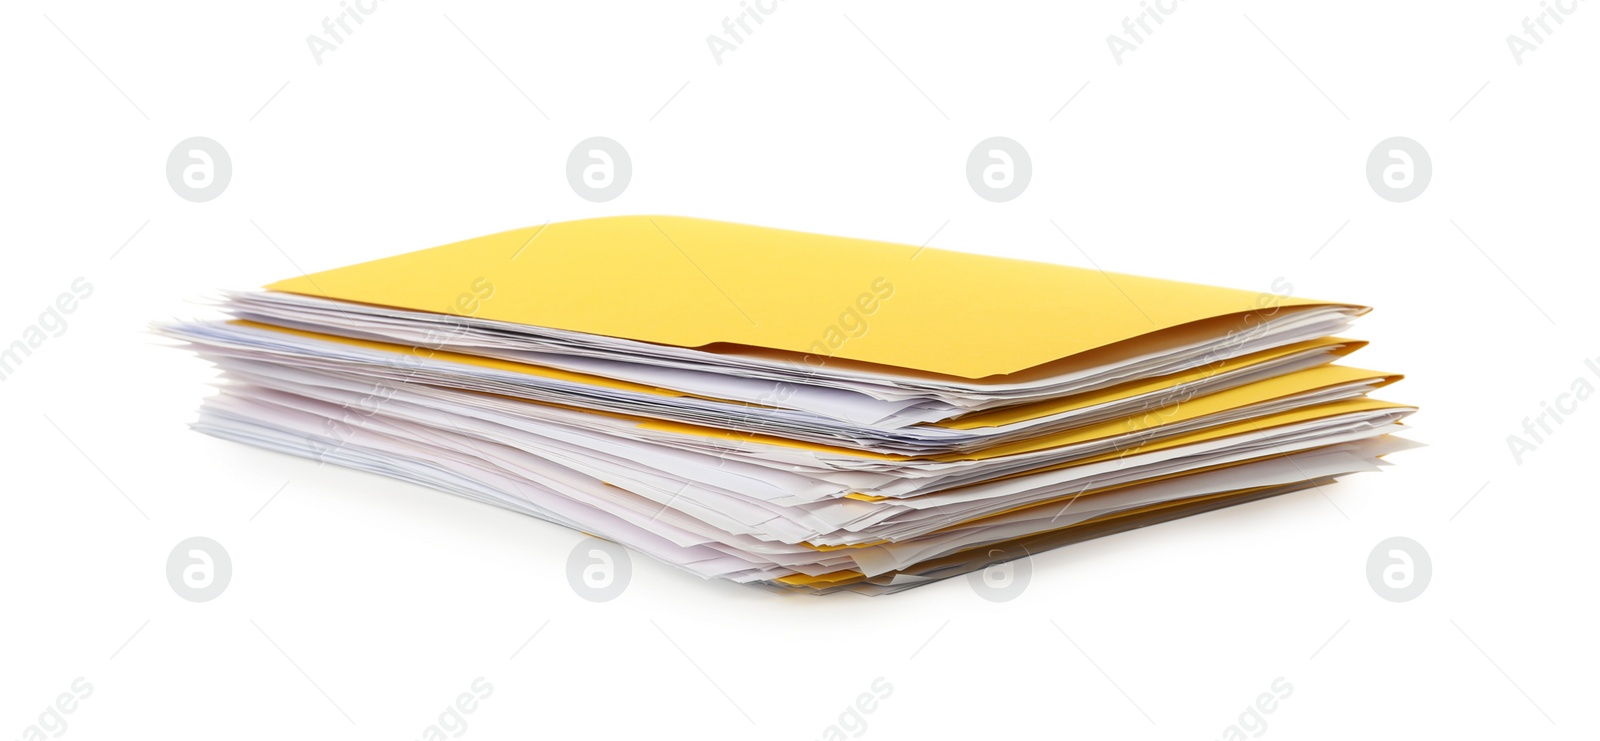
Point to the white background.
(361, 607)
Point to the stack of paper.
(803, 412)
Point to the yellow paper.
(697, 283)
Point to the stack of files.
(800, 412)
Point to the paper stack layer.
(796, 411)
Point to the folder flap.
(1330, 347)
(697, 283)
(1280, 387)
